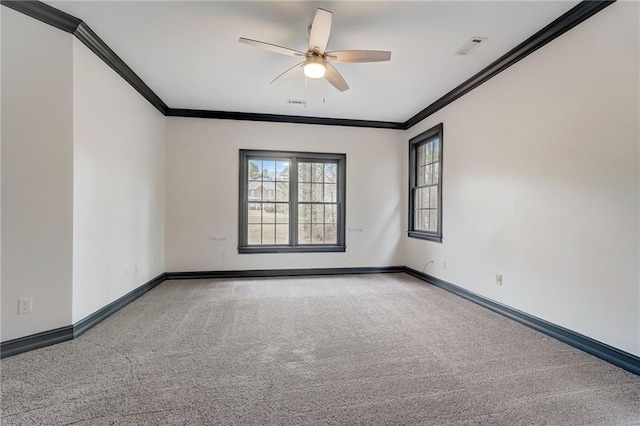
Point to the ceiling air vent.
(471, 45)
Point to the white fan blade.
(334, 77)
(320, 30)
(342, 56)
(288, 73)
(271, 47)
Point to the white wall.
(541, 183)
(202, 192)
(0, 170)
(118, 186)
(37, 174)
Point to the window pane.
(316, 192)
(268, 213)
(304, 172)
(331, 214)
(331, 172)
(436, 171)
(420, 157)
(282, 191)
(317, 234)
(318, 172)
(330, 192)
(282, 171)
(254, 213)
(282, 234)
(255, 169)
(428, 174)
(317, 213)
(304, 213)
(254, 234)
(433, 220)
(422, 220)
(428, 150)
(255, 190)
(420, 178)
(422, 198)
(433, 197)
(304, 192)
(436, 150)
(304, 234)
(282, 213)
(268, 170)
(330, 234)
(268, 191)
(268, 234)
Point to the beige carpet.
(367, 349)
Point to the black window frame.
(424, 138)
(294, 157)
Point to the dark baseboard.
(263, 273)
(85, 324)
(70, 332)
(35, 341)
(601, 350)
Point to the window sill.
(424, 236)
(289, 249)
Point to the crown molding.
(276, 118)
(83, 32)
(44, 13)
(86, 35)
(564, 23)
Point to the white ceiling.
(188, 53)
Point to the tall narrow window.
(425, 185)
(291, 202)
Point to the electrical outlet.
(25, 305)
(444, 264)
(224, 256)
(126, 272)
(136, 270)
(498, 279)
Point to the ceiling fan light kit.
(316, 63)
(314, 67)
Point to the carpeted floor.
(363, 349)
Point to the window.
(425, 185)
(291, 202)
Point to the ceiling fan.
(317, 63)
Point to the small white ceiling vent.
(471, 45)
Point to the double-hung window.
(291, 202)
(425, 185)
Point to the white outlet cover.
(25, 305)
